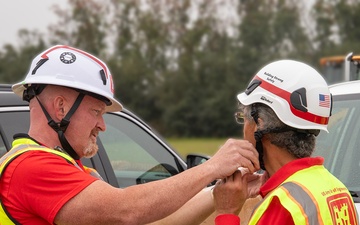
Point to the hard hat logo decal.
(67, 57)
(265, 99)
(324, 100)
(271, 78)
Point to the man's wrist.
(227, 219)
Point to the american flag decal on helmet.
(324, 100)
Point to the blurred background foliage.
(179, 64)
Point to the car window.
(340, 147)
(135, 155)
(12, 122)
(2, 147)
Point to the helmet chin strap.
(259, 146)
(61, 127)
(258, 135)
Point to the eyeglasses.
(239, 117)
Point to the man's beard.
(90, 150)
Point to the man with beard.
(42, 178)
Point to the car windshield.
(340, 147)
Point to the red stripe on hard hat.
(84, 53)
(286, 95)
(77, 50)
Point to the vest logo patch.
(341, 209)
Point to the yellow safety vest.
(21, 146)
(310, 201)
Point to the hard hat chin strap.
(259, 147)
(258, 137)
(61, 127)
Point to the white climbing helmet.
(70, 67)
(296, 92)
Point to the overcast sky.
(33, 14)
(29, 14)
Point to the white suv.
(341, 146)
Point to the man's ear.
(259, 124)
(59, 106)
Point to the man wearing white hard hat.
(283, 109)
(42, 178)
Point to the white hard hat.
(296, 92)
(70, 67)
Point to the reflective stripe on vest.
(312, 201)
(21, 146)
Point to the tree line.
(180, 64)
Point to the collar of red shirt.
(286, 171)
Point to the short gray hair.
(299, 144)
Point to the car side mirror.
(195, 159)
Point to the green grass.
(205, 146)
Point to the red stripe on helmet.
(286, 95)
(84, 53)
(80, 51)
